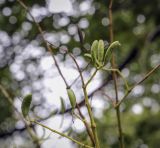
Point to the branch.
(128, 60)
(84, 87)
(114, 75)
(63, 135)
(46, 44)
(143, 79)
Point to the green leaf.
(100, 50)
(94, 49)
(26, 104)
(72, 98)
(113, 45)
(88, 55)
(63, 107)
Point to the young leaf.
(26, 104)
(72, 98)
(63, 107)
(115, 44)
(88, 55)
(100, 50)
(94, 49)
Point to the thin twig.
(121, 100)
(46, 44)
(109, 98)
(92, 76)
(121, 75)
(115, 77)
(61, 134)
(143, 79)
(93, 124)
(86, 125)
(78, 68)
(127, 60)
(110, 21)
(74, 81)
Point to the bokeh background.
(26, 67)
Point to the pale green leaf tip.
(117, 43)
(87, 55)
(101, 41)
(94, 43)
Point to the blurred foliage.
(134, 24)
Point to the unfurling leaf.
(72, 98)
(113, 45)
(26, 104)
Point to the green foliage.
(134, 23)
(63, 106)
(72, 98)
(112, 46)
(100, 56)
(26, 105)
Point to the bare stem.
(93, 75)
(93, 124)
(110, 21)
(63, 135)
(121, 75)
(86, 125)
(114, 75)
(46, 44)
(110, 99)
(143, 79)
(79, 74)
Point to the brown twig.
(109, 98)
(114, 75)
(74, 81)
(46, 44)
(143, 79)
(110, 21)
